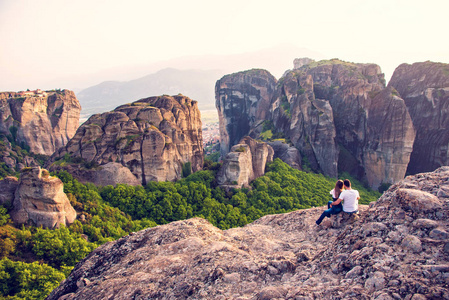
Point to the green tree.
(27, 280)
(60, 246)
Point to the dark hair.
(338, 188)
(347, 183)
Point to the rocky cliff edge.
(397, 249)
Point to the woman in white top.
(333, 209)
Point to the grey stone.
(412, 243)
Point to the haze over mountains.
(110, 94)
(194, 76)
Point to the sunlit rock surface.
(397, 249)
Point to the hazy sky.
(47, 43)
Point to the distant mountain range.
(193, 76)
(197, 84)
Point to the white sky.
(45, 43)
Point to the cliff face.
(389, 139)
(339, 116)
(242, 99)
(43, 121)
(397, 249)
(152, 137)
(425, 89)
(37, 198)
(372, 123)
(346, 86)
(307, 121)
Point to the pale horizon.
(75, 44)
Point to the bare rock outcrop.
(339, 115)
(425, 90)
(8, 187)
(390, 135)
(237, 167)
(306, 120)
(152, 137)
(242, 99)
(261, 154)
(288, 154)
(111, 173)
(44, 121)
(397, 249)
(245, 162)
(114, 173)
(373, 128)
(38, 199)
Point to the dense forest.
(34, 260)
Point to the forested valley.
(35, 260)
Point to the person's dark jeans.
(336, 209)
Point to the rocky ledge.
(397, 249)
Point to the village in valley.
(211, 135)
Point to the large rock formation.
(242, 100)
(425, 89)
(152, 137)
(306, 120)
(245, 162)
(389, 139)
(397, 249)
(42, 121)
(37, 198)
(339, 116)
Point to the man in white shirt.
(349, 197)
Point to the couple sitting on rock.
(341, 192)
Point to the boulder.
(412, 243)
(418, 201)
(40, 200)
